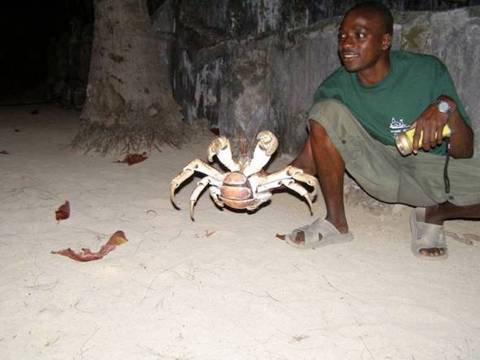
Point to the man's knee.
(329, 112)
(338, 123)
(319, 138)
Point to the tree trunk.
(129, 105)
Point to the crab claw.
(220, 147)
(268, 142)
(266, 146)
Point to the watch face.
(443, 107)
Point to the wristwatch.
(445, 107)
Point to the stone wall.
(266, 79)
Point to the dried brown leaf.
(209, 232)
(472, 237)
(63, 212)
(118, 238)
(131, 159)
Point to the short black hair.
(381, 10)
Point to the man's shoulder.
(333, 86)
(411, 59)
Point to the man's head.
(378, 9)
(364, 38)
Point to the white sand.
(172, 292)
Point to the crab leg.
(290, 172)
(220, 147)
(291, 184)
(266, 146)
(261, 198)
(201, 185)
(214, 194)
(188, 171)
(309, 180)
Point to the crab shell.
(236, 191)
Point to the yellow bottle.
(404, 140)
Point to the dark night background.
(27, 33)
(38, 38)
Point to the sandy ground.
(221, 287)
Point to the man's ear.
(386, 41)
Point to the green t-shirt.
(412, 84)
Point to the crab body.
(244, 187)
(236, 191)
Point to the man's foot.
(428, 240)
(432, 251)
(317, 234)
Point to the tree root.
(128, 138)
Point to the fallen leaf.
(131, 159)
(206, 234)
(472, 237)
(118, 238)
(4, 152)
(209, 232)
(463, 239)
(63, 212)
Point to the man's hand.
(429, 127)
(430, 124)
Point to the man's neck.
(375, 74)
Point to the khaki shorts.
(415, 180)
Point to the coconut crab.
(245, 186)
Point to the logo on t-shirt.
(397, 126)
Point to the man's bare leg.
(447, 211)
(305, 160)
(320, 157)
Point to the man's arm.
(431, 123)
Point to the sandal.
(426, 236)
(317, 234)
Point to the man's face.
(362, 42)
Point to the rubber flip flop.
(317, 234)
(426, 236)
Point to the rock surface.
(264, 78)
